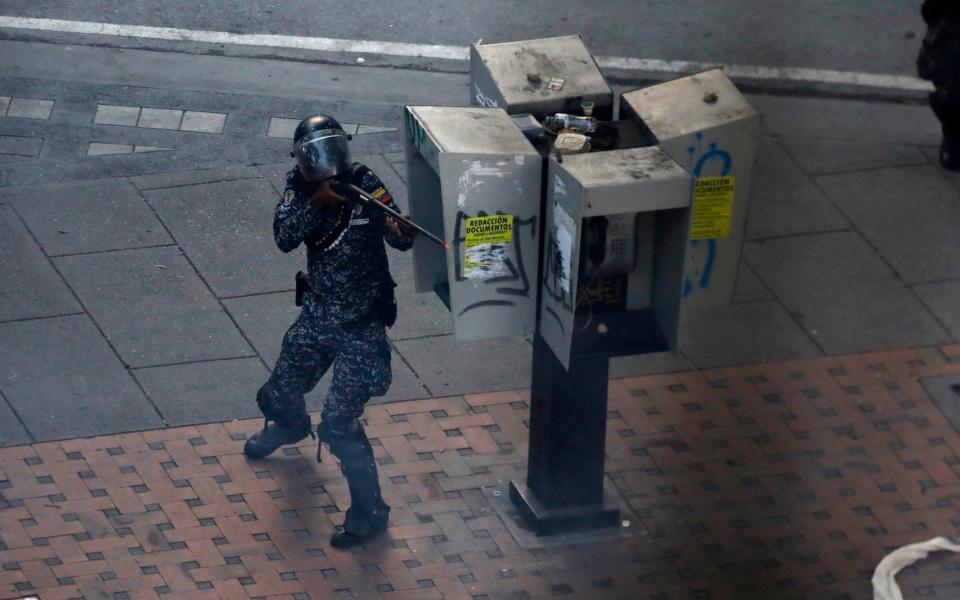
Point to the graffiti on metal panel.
(416, 134)
(482, 99)
(700, 276)
(556, 318)
(517, 271)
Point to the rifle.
(367, 198)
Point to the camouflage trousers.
(358, 352)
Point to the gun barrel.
(396, 215)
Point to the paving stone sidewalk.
(781, 480)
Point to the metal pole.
(564, 488)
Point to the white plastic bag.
(884, 577)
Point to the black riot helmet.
(320, 147)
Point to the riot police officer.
(347, 299)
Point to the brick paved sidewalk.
(783, 480)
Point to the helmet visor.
(323, 154)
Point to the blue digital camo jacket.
(347, 265)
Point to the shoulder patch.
(360, 173)
(370, 181)
(288, 197)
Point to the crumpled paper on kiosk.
(884, 577)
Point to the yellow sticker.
(487, 246)
(712, 208)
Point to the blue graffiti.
(712, 154)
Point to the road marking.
(239, 39)
(800, 74)
(439, 51)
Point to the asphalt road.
(873, 36)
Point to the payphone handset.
(610, 245)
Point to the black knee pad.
(345, 436)
(274, 407)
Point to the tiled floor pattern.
(784, 480)
(143, 117)
(154, 118)
(25, 108)
(101, 149)
(20, 145)
(160, 118)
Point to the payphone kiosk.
(616, 226)
(614, 240)
(636, 221)
(474, 177)
(703, 122)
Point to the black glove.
(346, 190)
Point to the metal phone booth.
(614, 240)
(703, 122)
(636, 221)
(474, 177)
(616, 226)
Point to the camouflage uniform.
(339, 324)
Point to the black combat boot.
(950, 152)
(273, 435)
(368, 513)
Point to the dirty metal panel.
(563, 68)
(680, 107)
(474, 177)
(492, 282)
(563, 223)
(630, 180)
(704, 124)
(418, 139)
(470, 130)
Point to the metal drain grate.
(945, 392)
